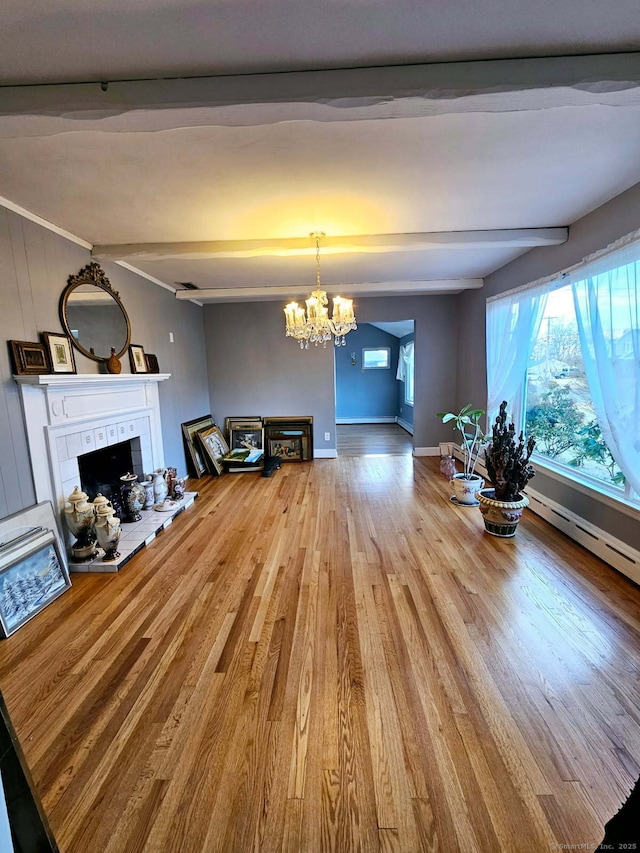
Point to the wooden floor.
(333, 659)
(373, 440)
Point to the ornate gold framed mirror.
(92, 314)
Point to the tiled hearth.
(69, 416)
(135, 536)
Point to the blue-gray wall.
(34, 266)
(366, 393)
(254, 369)
(595, 231)
(405, 410)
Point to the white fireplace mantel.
(68, 415)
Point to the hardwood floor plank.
(333, 659)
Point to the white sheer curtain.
(605, 295)
(405, 355)
(513, 322)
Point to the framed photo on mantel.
(59, 352)
(137, 359)
(28, 358)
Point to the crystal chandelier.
(315, 325)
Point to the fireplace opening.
(100, 470)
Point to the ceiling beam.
(417, 89)
(507, 238)
(376, 288)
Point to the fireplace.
(100, 470)
(68, 417)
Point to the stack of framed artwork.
(205, 446)
(290, 438)
(246, 444)
(249, 439)
(33, 566)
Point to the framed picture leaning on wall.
(33, 566)
(214, 447)
(195, 459)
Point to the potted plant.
(466, 484)
(509, 470)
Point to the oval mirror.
(93, 315)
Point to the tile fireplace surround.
(68, 416)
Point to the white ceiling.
(425, 178)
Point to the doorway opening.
(375, 390)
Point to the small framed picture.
(152, 363)
(137, 359)
(247, 436)
(28, 358)
(214, 448)
(59, 352)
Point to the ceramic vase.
(108, 528)
(447, 467)
(149, 499)
(160, 487)
(133, 498)
(114, 365)
(80, 516)
(177, 489)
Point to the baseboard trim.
(613, 551)
(325, 454)
(426, 451)
(405, 426)
(387, 419)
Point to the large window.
(559, 408)
(565, 354)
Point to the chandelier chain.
(318, 262)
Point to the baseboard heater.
(613, 551)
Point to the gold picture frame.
(214, 447)
(28, 358)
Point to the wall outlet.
(170, 337)
(327, 436)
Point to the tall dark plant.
(507, 458)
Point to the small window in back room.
(376, 358)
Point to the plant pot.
(464, 489)
(500, 517)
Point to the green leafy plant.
(555, 421)
(507, 458)
(593, 447)
(467, 421)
